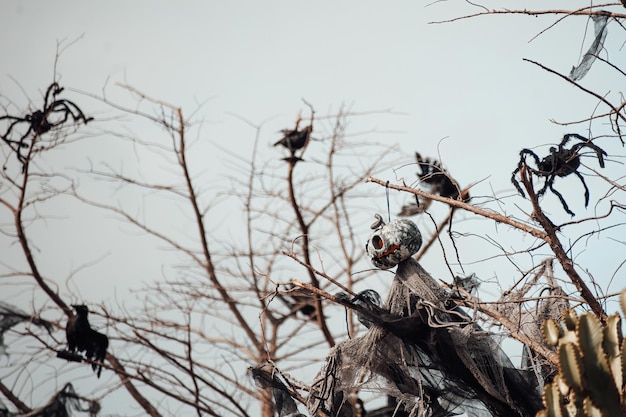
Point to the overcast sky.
(463, 81)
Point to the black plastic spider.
(55, 113)
(560, 163)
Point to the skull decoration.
(389, 244)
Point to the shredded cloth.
(429, 355)
(600, 23)
(62, 404)
(284, 404)
(11, 316)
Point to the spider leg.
(547, 183)
(55, 89)
(584, 185)
(65, 108)
(61, 106)
(563, 203)
(23, 138)
(7, 134)
(516, 183)
(65, 113)
(568, 136)
(15, 118)
(600, 153)
(522, 162)
(525, 152)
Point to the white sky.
(463, 81)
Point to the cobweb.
(429, 354)
(62, 404)
(11, 316)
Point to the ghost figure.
(421, 348)
(391, 243)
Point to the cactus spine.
(591, 379)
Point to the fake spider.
(55, 112)
(561, 162)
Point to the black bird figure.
(299, 301)
(82, 338)
(439, 182)
(438, 178)
(295, 139)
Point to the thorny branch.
(38, 123)
(555, 244)
(382, 318)
(465, 206)
(53, 115)
(548, 236)
(210, 268)
(130, 387)
(304, 238)
(584, 11)
(18, 213)
(6, 391)
(614, 110)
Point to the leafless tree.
(240, 322)
(227, 307)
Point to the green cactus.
(591, 380)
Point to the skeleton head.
(389, 244)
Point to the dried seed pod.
(389, 244)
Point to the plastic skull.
(389, 244)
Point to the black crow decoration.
(295, 139)
(435, 180)
(82, 338)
